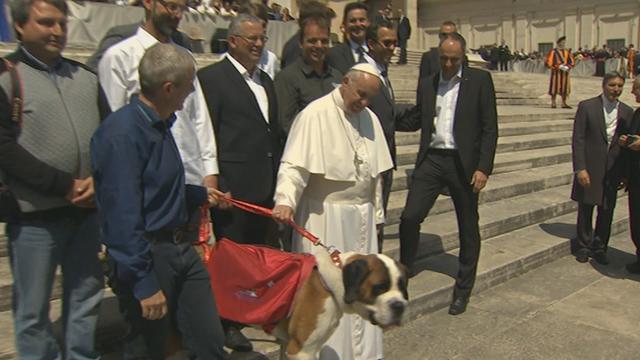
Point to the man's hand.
(635, 145)
(283, 214)
(479, 181)
(584, 179)
(154, 307)
(217, 198)
(82, 192)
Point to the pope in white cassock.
(329, 182)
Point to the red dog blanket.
(256, 284)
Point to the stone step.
(499, 186)
(507, 126)
(439, 232)
(504, 163)
(406, 154)
(501, 258)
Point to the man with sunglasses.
(382, 40)
(192, 130)
(242, 103)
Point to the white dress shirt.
(354, 50)
(269, 63)
(193, 131)
(610, 110)
(255, 84)
(446, 101)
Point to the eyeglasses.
(254, 39)
(173, 7)
(388, 43)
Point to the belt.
(180, 234)
(56, 214)
(447, 152)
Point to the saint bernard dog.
(372, 286)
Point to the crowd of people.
(143, 155)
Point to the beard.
(164, 23)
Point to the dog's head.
(376, 288)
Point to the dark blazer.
(591, 151)
(630, 160)
(341, 57)
(249, 148)
(404, 29)
(429, 64)
(383, 105)
(475, 126)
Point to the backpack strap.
(16, 93)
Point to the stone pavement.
(562, 310)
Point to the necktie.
(387, 84)
(360, 52)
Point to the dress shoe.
(458, 306)
(600, 256)
(582, 255)
(235, 339)
(634, 267)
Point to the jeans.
(192, 311)
(37, 247)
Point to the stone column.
(411, 12)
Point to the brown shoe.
(565, 106)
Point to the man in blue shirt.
(143, 204)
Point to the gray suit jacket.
(593, 153)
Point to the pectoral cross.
(357, 162)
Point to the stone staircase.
(526, 216)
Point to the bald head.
(452, 50)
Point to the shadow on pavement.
(616, 268)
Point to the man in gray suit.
(595, 163)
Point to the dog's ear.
(353, 274)
(403, 281)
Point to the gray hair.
(163, 63)
(235, 27)
(20, 10)
(611, 75)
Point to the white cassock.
(330, 176)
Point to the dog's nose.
(397, 307)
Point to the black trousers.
(403, 51)
(244, 227)
(634, 213)
(387, 182)
(439, 169)
(504, 65)
(192, 308)
(598, 239)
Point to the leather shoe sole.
(236, 340)
(582, 256)
(458, 306)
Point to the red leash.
(259, 210)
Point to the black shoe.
(600, 256)
(235, 339)
(582, 255)
(634, 267)
(458, 306)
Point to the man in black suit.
(242, 104)
(456, 112)
(354, 48)
(596, 165)
(631, 166)
(430, 62)
(382, 40)
(404, 33)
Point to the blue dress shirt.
(140, 188)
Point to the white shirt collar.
(354, 46)
(146, 40)
(241, 69)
